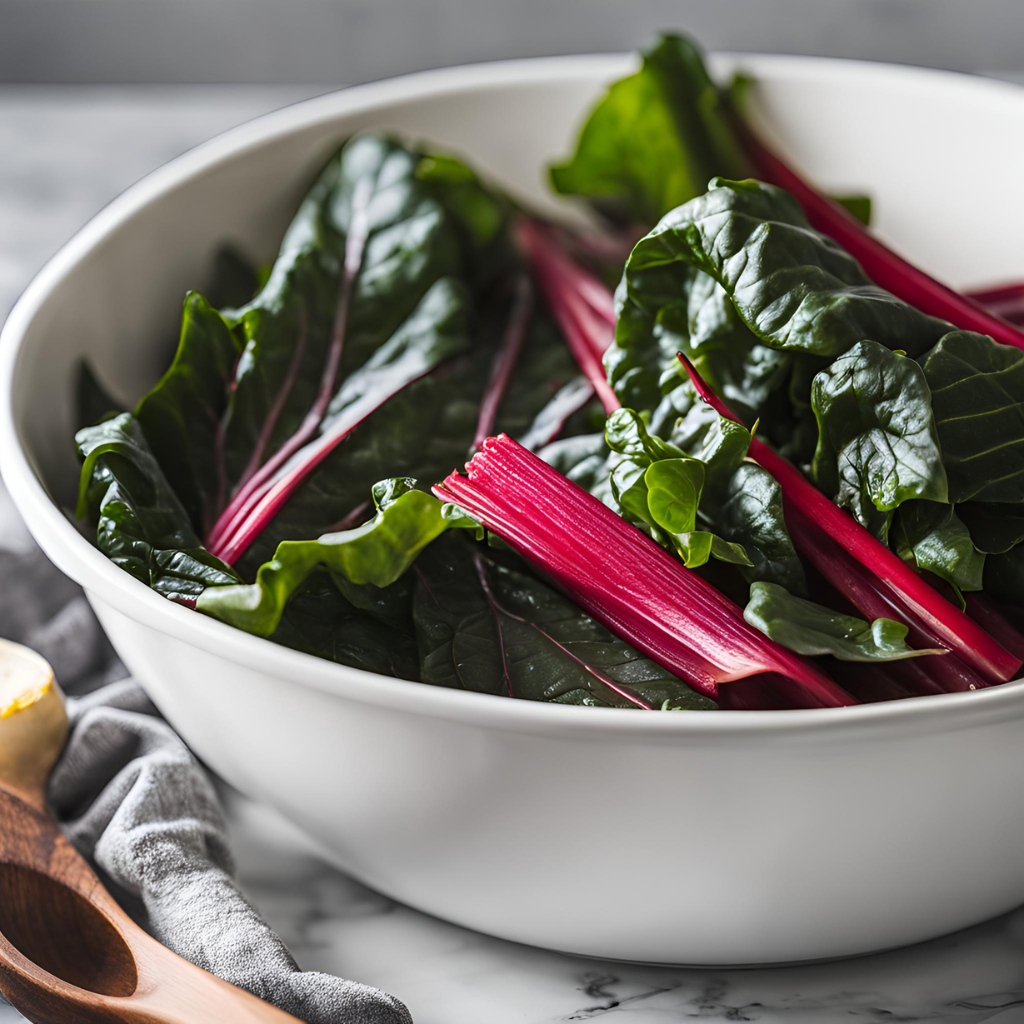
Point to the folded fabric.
(135, 801)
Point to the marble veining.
(66, 152)
(448, 975)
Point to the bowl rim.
(79, 559)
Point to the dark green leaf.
(748, 511)
(181, 416)
(214, 427)
(792, 287)
(319, 620)
(877, 439)
(978, 397)
(392, 439)
(1004, 576)
(140, 523)
(940, 543)
(485, 627)
(995, 527)
(857, 206)
(811, 629)
(655, 139)
(546, 393)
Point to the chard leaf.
(489, 628)
(940, 543)
(626, 433)
(995, 527)
(141, 525)
(584, 459)
(181, 415)
(707, 502)
(724, 447)
(667, 308)
(811, 629)
(741, 502)
(655, 139)
(792, 287)
(391, 438)
(321, 621)
(674, 488)
(629, 489)
(546, 396)
(570, 401)
(698, 546)
(368, 248)
(1004, 576)
(877, 439)
(978, 397)
(748, 511)
(858, 206)
(376, 553)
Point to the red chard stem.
(944, 622)
(620, 576)
(571, 295)
(881, 264)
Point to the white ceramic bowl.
(733, 838)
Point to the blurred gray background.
(347, 41)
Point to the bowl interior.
(935, 151)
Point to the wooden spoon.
(68, 953)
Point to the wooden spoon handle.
(70, 955)
(181, 994)
(173, 991)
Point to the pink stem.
(261, 481)
(594, 292)
(880, 263)
(986, 613)
(1007, 302)
(270, 423)
(253, 518)
(620, 576)
(941, 620)
(931, 673)
(586, 333)
(504, 363)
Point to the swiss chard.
(141, 525)
(491, 628)
(811, 629)
(619, 576)
(933, 535)
(376, 554)
(365, 296)
(977, 392)
(655, 139)
(877, 440)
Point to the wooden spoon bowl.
(68, 953)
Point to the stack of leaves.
(832, 477)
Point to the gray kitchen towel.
(135, 801)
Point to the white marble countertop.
(66, 153)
